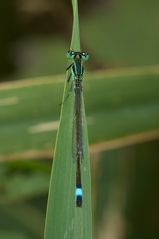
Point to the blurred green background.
(121, 92)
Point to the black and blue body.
(76, 75)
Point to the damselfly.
(76, 75)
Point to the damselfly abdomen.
(76, 75)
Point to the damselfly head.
(81, 55)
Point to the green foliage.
(21, 181)
(22, 220)
(124, 34)
(127, 188)
(127, 103)
(117, 104)
(23, 186)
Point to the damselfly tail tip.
(79, 201)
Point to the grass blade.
(64, 219)
(75, 41)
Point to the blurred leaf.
(126, 187)
(118, 103)
(19, 185)
(13, 235)
(115, 36)
(22, 219)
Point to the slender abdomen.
(79, 191)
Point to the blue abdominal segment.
(78, 192)
(79, 197)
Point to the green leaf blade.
(69, 220)
(75, 41)
(64, 219)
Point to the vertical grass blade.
(75, 41)
(64, 219)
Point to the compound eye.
(85, 56)
(70, 54)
